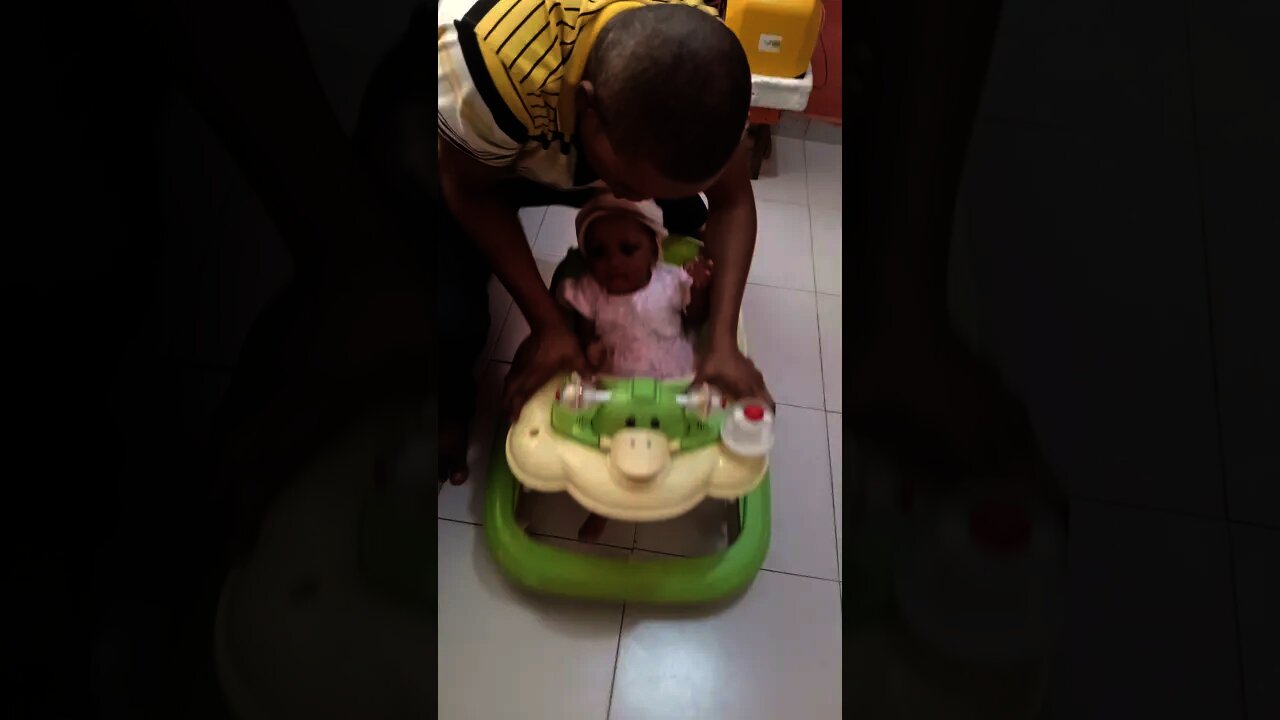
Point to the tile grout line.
(532, 238)
(813, 265)
(834, 581)
(822, 375)
(537, 235)
(542, 220)
(1251, 524)
(459, 522)
(762, 569)
(789, 202)
(1166, 511)
(813, 259)
(502, 325)
(1204, 248)
(831, 479)
(808, 194)
(617, 652)
(804, 160)
(535, 533)
(803, 407)
(645, 550)
(1213, 353)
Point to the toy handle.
(577, 394)
(591, 396)
(702, 399)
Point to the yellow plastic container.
(779, 35)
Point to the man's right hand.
(543, 355)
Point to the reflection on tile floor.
(774, 652)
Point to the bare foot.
(592, 528)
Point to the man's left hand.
(727, 369)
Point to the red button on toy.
(754, 413)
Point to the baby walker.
(638, 450)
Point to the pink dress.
(644, 331)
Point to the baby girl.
(637, 315)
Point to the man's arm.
(730, 244)
(471, 190)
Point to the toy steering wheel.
(640, 449)
(685, 417)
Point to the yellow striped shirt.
(507, 74)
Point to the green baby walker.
(637, 450)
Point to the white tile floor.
(776, 651)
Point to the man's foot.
(453, 453)
(592, 528)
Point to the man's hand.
(473, 192)
(542, 356)
(730, 243)
(726, 368)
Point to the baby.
(637, 315)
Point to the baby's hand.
(699, 270)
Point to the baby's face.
(621, 253)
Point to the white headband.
(647, 212)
